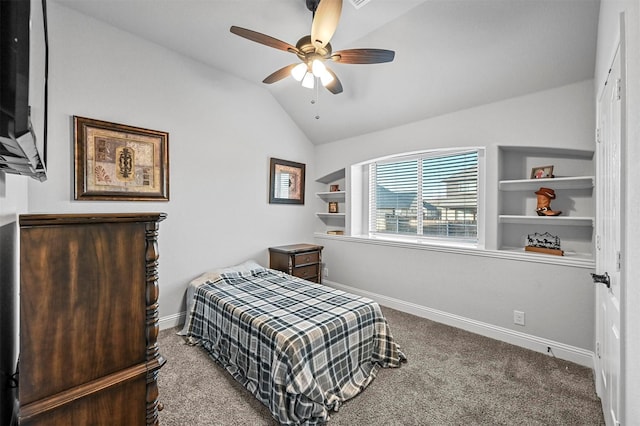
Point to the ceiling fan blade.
(325, 21)
(263, 39)
(335, 86)
(283, 72)
(363, 56)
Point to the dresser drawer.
(309, 272)
(306, 258)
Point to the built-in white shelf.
(332, 195)
(332, 177)
(333, 221)
(546, 220)
(569, 258)
(331, 215)
(527, 151)
(574, 182)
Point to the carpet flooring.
(452, 377)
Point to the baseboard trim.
(560, 350)
(172, 321)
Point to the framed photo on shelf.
(117, 162)
(334, 188)
(333, 207)
(542, 172)
(286, 182)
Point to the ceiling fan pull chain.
(316, 101)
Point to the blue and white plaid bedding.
(301, 348)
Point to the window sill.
(570, 259)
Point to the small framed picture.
(286, 182)
(542, 172)
(334, 188)
(333, 207)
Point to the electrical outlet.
(325, 272)
(518, 317)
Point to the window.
(431, 195)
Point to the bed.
(300, 348)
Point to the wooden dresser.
(299, 260)
(89, 319)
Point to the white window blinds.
(431, 195)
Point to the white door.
(608, 242)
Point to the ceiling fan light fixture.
(299, 71)
(326, 78)
(318, 68)
(308, 80)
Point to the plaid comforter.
(301, 348)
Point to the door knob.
(603, 279)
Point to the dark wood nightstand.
(300, 260)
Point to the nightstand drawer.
(300, 260)
(306, 258)
(309, 272)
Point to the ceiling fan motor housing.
(307, 51)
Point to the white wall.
(222, 131)
(608, 31)
(13, 197)
(13, 201)
(558, 300)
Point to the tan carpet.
(452, 377)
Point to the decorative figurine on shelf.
(544, 243)
(545, 195)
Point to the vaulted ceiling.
(450, 54)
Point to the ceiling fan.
(314, 49)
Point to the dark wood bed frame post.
(154, 360)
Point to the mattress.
(301, 348)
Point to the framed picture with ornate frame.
(117, 162)
(286, 182)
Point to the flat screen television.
(23, 87)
